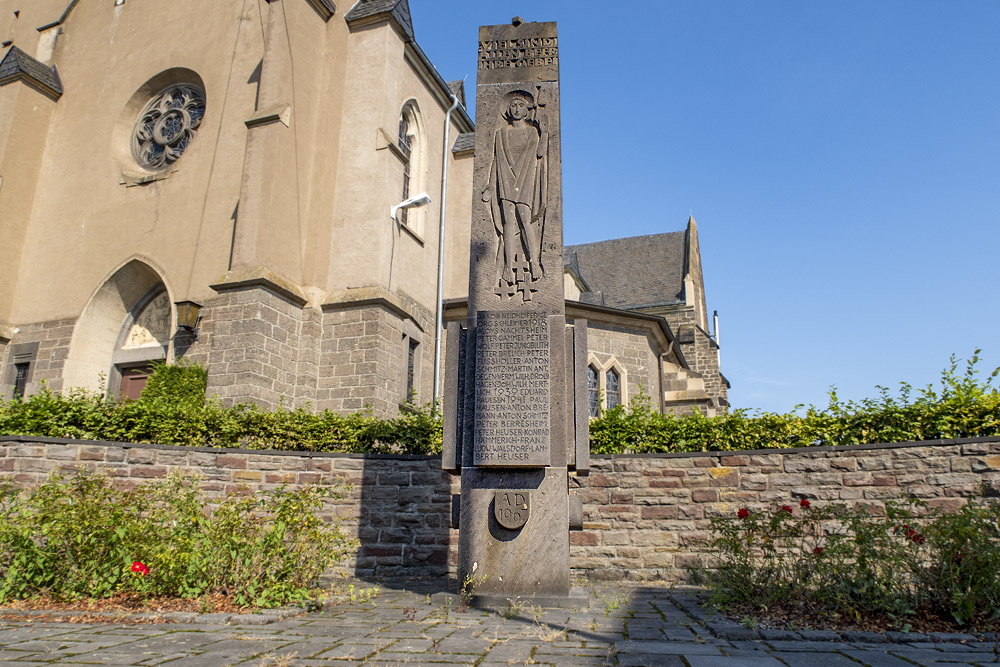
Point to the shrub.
(172, 411)
(183, 382)
(963, 407)
(83, 537)
(852, 563)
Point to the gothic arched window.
(406, 146)
(593, 392)
(614, 388)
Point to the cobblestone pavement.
(622, 626)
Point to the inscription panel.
(525, 52)
(512, 390)
(515, 53)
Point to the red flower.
(919, 539)
(804, 504)
(743, 513)
(818, 551)
(786, 508)
(140, 569)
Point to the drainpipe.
(718, 346)
(440, 284)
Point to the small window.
(614, 389)
(20, 379)
(593, 392)
(411, 366)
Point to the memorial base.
(529, 562)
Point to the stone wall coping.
(30, 439)
(424, 457)
(803, 450)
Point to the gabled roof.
(18, 65)
(398, 9)
(457, 88)
(629, 273)
(465, 142)
(372, 12)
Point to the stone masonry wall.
(701, 353)
(264, 349)
(632, 351)
(363, 357)
(53, 340)
(646, 517)
(398, 506)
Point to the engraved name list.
(512, 390)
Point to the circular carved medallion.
(167, 125)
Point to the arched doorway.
(122, 332)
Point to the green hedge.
(172, 410)
(963, 407)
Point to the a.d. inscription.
(512, 508)
(512, 390)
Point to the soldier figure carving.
(516, 192)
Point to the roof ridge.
(626, 238)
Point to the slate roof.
(400, 10)
(457, 88)
(465, 142)
(17, 64)
(634, 272)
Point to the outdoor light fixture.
(420, 200)
(187, 315)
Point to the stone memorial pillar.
(513, 374)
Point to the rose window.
(166, 126)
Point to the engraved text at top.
(512, 53)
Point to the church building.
(221, 182)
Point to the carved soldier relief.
(517, 192)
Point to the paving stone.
(349, 650)
(775, 634)
(919, 654)
(676, 648)
(801, 645)
(212, 619)
(742, 661)
(651, 660)
(877, 659)
(731, 630)
(951, 637)
(860, 636)
(814, 659)
(905, 637)
(819, 635)
(949, 647)
(394, 657)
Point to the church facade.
(218, 182)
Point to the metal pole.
(440, 284)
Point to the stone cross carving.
(515, 383)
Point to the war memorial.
(518, 423)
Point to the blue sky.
(842, 160)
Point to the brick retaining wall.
(646, 517)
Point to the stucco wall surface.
(646, 517)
